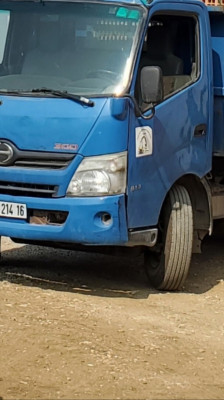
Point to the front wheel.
(167, 265)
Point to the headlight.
(102, 175)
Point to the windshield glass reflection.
(84, 48)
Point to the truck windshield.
(83, 48)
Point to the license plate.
(13, 210)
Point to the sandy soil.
(80, 326)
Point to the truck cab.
(106, 139)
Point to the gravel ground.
(87, 326)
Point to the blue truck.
(112, 127)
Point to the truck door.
(177, 140)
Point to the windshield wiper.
(6, 91)
(59, 93)
(65, 95)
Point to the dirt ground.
(81, 326)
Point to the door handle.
(200, 130)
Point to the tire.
(167, 265)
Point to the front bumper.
(85, 222)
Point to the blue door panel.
(177, 151)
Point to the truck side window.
(172, 44)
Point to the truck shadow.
(100, 275)
(207, 268)
(77, 272)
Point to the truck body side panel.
(217, 32)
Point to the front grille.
(43, 161)
(11, 156)
(28, 189)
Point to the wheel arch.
(200, 195)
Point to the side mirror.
(151, 85)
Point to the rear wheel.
(168, 263)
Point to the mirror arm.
(150, 115)
(137, 108)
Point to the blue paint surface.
(217, 32)
(176, 151)
(33, 123)
(83, 224)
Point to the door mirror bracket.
(138, 111)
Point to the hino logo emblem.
(6, 153)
